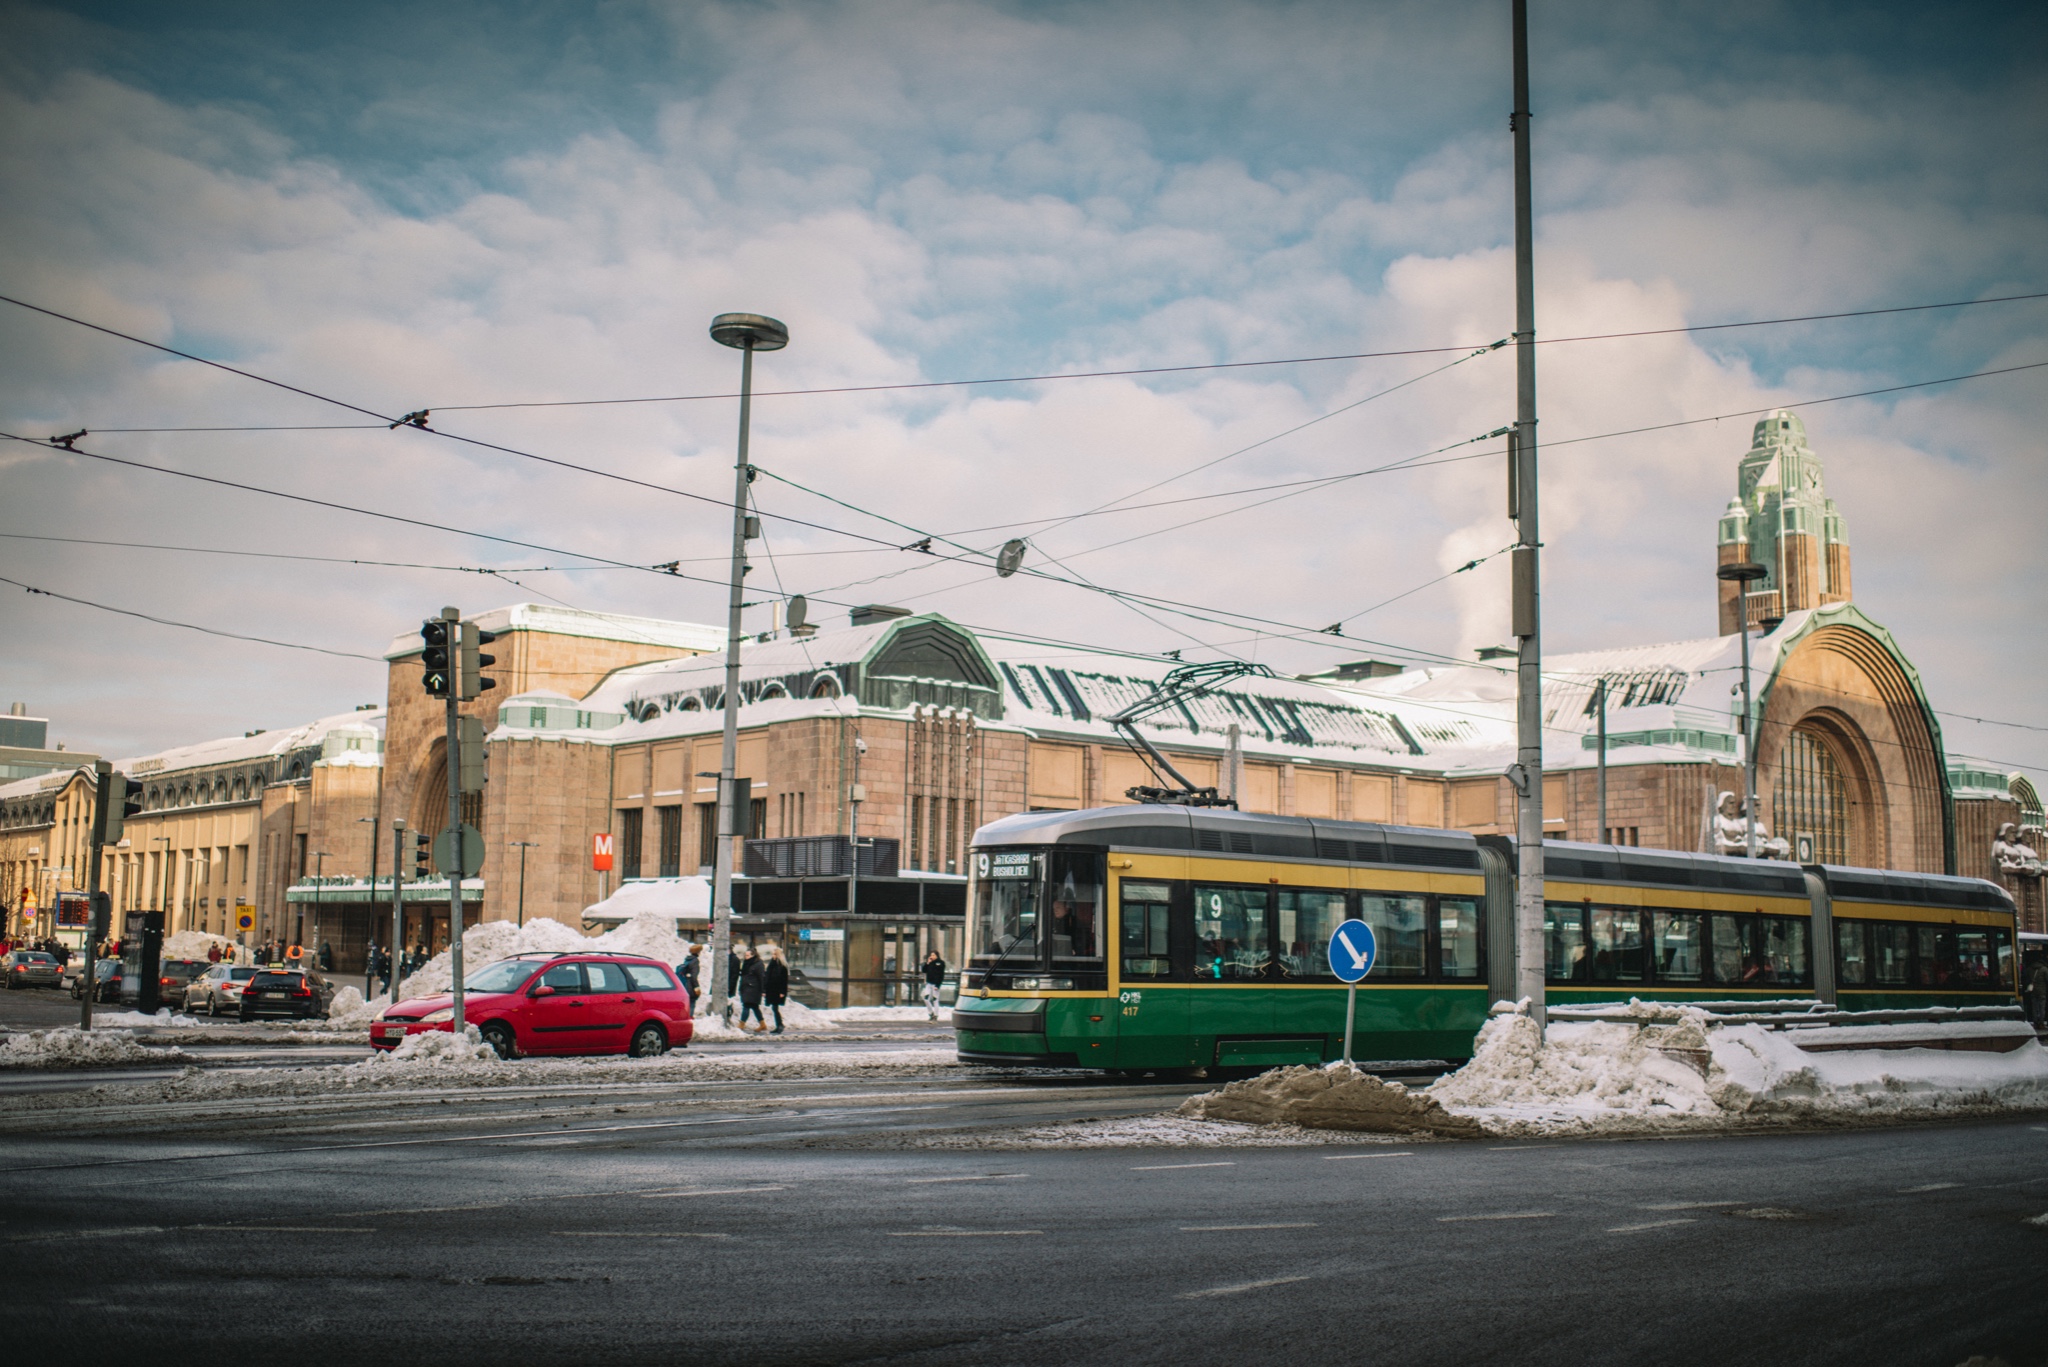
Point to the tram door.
(1152, 1009)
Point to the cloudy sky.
(403, 206)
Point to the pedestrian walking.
(934, 979)
(213, 954)
(691, 971)
(752, 980)
(326, 956)
(775, 984)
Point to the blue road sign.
(1352, 950)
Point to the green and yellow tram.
(1155, 938)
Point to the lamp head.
(749, 331)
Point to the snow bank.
(75, 1048)
(879, 1013)
(348, 1009)
(162, 1017)
(1334, 1097)
(1676, 1071)
(1148, 1132)
(193, 944)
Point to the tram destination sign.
(1013, 865)
(1352, 950)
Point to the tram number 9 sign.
(1352, 950)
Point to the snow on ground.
(162, 1017)
(867, 1014)
(75, 1048)
(1675, 1071)
(1155, 1132)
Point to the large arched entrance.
(1850, 754)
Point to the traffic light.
(422, 856)
(473, 661)
(102, 915)
(120, 800)
(469, 747)
(434, 659)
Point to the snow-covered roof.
(596, 626)
(236, 749)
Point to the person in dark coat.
(775, 984)
(751, 982)
(934, 981)
(691, 971)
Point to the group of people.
(56, 949)
(759, 978)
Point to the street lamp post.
(370, 906)
(165, 905)
(319, 904)
(1743, 573)
(748, 333)
(523, 846)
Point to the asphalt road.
(772, 1222)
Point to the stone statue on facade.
(1731, 832)
(2010, 855)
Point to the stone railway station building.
(920, 730)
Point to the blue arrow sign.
(1352, 950)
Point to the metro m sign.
(601, 852)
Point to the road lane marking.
(1217, 1229)
(1240, 1287)
(285, 1229)
(1688, 1205)
(112, 1233)
(1654, 1224)
(635, 1234)
(991, 1177)
(705, 1191)
(1512, 1148)
(1504, 1215)
(960, 1233)
(1931, 1186)
(1169, 1167)
(1344, 1157)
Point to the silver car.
(219, 989)
(30, 968)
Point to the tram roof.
(1584, 863)
(1219, 830)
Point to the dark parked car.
(30, 968)
(296, 992)
(175, 976)
(107, 972)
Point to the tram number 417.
(1129, 1000)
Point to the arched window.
(1810, 798)
(690, 705)
(827, 686)
(772, 690)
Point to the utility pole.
(107, 808)
(523, 846)
(1742, 574)
(748, 333)
(1528, 620)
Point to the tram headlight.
(1041, 984)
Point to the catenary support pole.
(1527, 581)
(1748, 733)
(1600, 790)
(454, 834)
(397, 906)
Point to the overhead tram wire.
(390, 564)
(189, 626)
(1227, 365)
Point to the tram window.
(1006, 913)
(1074, 884)
(1973, 960)
(1230, 933)
(2001, 941)
(1564, 943)
(1617, 945)
(1890, 953)
(1737, 960)
(1934, 964)
(1852, 965)
(1782, 943)
(1306, 921)
(1144, 936)
(1457, 930)
(1675, 949)
(1401, 928)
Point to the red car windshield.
(507, 975)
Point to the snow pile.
(75, 1048)
(1147, 1132)
(194, 944)
(162, 1017)
(1673, 1070)
(348, 1009)
(1334, 1097)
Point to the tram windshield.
(1038, 908)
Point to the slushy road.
(782, 1222)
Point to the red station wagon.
(557, 1004)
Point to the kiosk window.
(1144, 933)
(1401, 926)
(1230, 932)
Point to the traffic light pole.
(454, 836)
(103, 798)
(397, 906)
